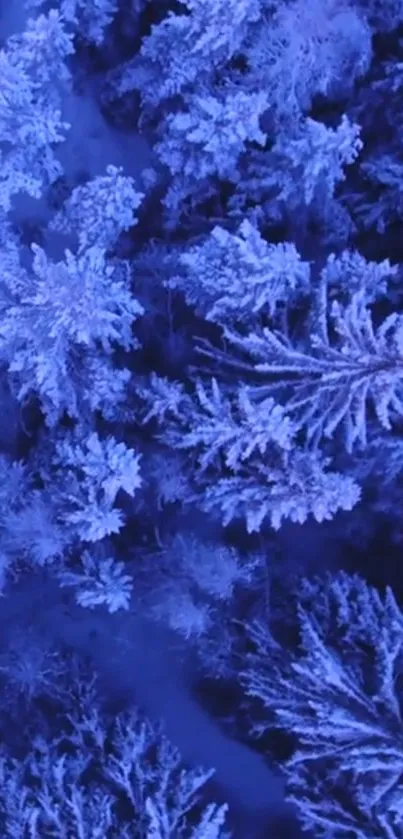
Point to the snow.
(93, 144)
(139, 663)
(12, 18)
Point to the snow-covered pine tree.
(340, 698)
(31, 122)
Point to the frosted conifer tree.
(206, 141)
(89, 17)
(327, 44)
(100, 210)
(45, 790)
(31, 121)
(326, 380)
(244, 459)
(186, 48)
(233, 277)
(299, 173)
(87, 473)
(303, 50)
(341, 699)
(64, 311)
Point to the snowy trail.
(136, 659)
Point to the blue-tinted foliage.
(329, 375)
(89, 17)
(201, 356)
(45, 791)
(233, 277)
(31, 121)
(341, 697)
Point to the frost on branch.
(235, 432)
(327, 380)
(299, 172)
(291, 486)
(103, 387)
(89, 17)
(55, 322)
(251, 441)
(30, 107)
(100, 779)
(187, 48)
(147, 769)
(350, 272)
(89, 474)
(206, 141)
(100, 210)
(164, 399)
(341, 698)
(99, 582)
(306, 49)
(212, 820)
(233, 277)
(107, 462)
(85, 297)
(213, 427)
(320, 155)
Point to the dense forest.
(201, 419)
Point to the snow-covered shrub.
(341, 699)
(214, 569)
(163, 471)
(181, 611)
(32, 532)
(29, 531)
(30, 667)
(194, 579)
